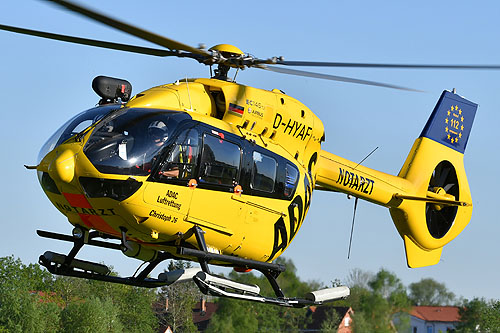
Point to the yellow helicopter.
(220, 173)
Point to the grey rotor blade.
(90, 42)
(333, 77)
(128, 28)
(374, 65)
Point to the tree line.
(33, 300)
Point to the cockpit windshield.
(74, 126)
(131, 140)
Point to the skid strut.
(220, 286)
(67, 265)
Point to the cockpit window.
(130, 141)
(263, 172)
(220, 161)
(291, 180)
(74, 126)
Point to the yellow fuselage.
(238, 218)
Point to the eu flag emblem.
(451, 121)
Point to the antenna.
(237, 70)
(356, 206)
(365, 158)
(189, 97)
(352, 227)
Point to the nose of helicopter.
(62, 166)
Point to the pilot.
(158, 132)
(180, 162)
(156, 138)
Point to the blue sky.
(43, 83)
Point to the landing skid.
(207, 282)
(67, 265)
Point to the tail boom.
(338, 174)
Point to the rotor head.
(227, 48)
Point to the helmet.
(158, 130)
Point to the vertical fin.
(451, 121)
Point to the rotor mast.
(228, 52)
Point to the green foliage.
(133, 304)
(32, 300)
(479, 315)
(331, 322)
(289, 281)
(21, 307)
(51, 314)
(377, 306)
(430, 292)
(243, 316)
(179, 300)
(136, 312)
(178, 264)
(91, 315)
(236, 316)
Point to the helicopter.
(220, 173)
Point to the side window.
(220, 161)
(263, 172)
(292, 176)
(181, 161)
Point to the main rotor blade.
(372, 65)
(91, 42)
(130, 29)
(333, 77)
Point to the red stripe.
(91, 221)
(98, 223)
(77, 200)
(236, 110)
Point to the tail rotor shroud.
(440, 218)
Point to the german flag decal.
(236, 109)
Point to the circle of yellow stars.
(454, 124)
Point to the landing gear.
(207, 282)
(218, 286)
(67, 265)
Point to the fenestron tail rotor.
(439, 217)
